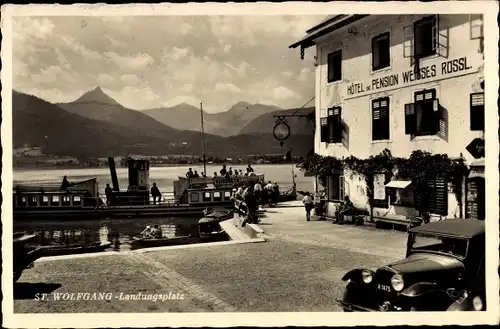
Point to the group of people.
(223, 173)
(346, 208)
(155, 193)
(255, 195)
(151, 232)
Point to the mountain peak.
(96, 95)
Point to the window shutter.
(410, 119)
(341, 187)
(438, 196)
(408, 41)
(441, 119)
(477, 111)
(337, 114)
(324, 129)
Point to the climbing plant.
(418, 167)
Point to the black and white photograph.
(250, 164)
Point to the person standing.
(223, 171)
(108, 191)
(308, 204)
(276, 193)
(155, 193)
(258, 193)
(65, 183)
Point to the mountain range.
(96, 125)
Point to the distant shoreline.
(33, 168)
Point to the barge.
(82, 200)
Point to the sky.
(148, 62)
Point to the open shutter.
(341, 187)
(408, 41)
(338, 129)
(477, 111)
(439, 38)
(324, 129)
(476, 26)
(438, 203)
(441, 119)
(410, 119)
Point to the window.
(227, 195)
(207, 197)
(336, 187)
(21, 200)
(423, 38)
(335, 125)
(423, 117)
(381, 56)
(429, 243)
(44, 201)
(66, 200)
(33, 200)
(195, 197)
(77, 200)
(477, 111)
(217, 196)
(335, 66)
(55, 200)
(436, 198)
(380, 119)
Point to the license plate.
(383, 287)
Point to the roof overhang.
(401, 184)
(330, 25)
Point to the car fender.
(353, 275)
(419, 289)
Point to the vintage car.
(444, 270)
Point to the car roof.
(465, 228)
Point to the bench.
(357, 216)
(391, 221)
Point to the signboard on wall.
(444, 69)
(379, 186)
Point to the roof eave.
(308, 40)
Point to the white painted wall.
(453, 91)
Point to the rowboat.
(140, 242)
(59, 250)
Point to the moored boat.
(140, 242)
(209, 228)
(59, 250)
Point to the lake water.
(70, 231)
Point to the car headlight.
(397, 282)
(367, 276)
(477, 303)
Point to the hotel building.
(402, 83)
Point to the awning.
(477, 163)
(399, 184)
(476, 174)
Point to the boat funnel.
(114, 177)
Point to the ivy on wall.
(418, 167)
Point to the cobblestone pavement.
(299, 268)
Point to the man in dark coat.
(108, 191)
(65, 184)
(155, 193)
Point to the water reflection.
(119, 233)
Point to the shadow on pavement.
(25, 290)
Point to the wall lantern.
(281, 130)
